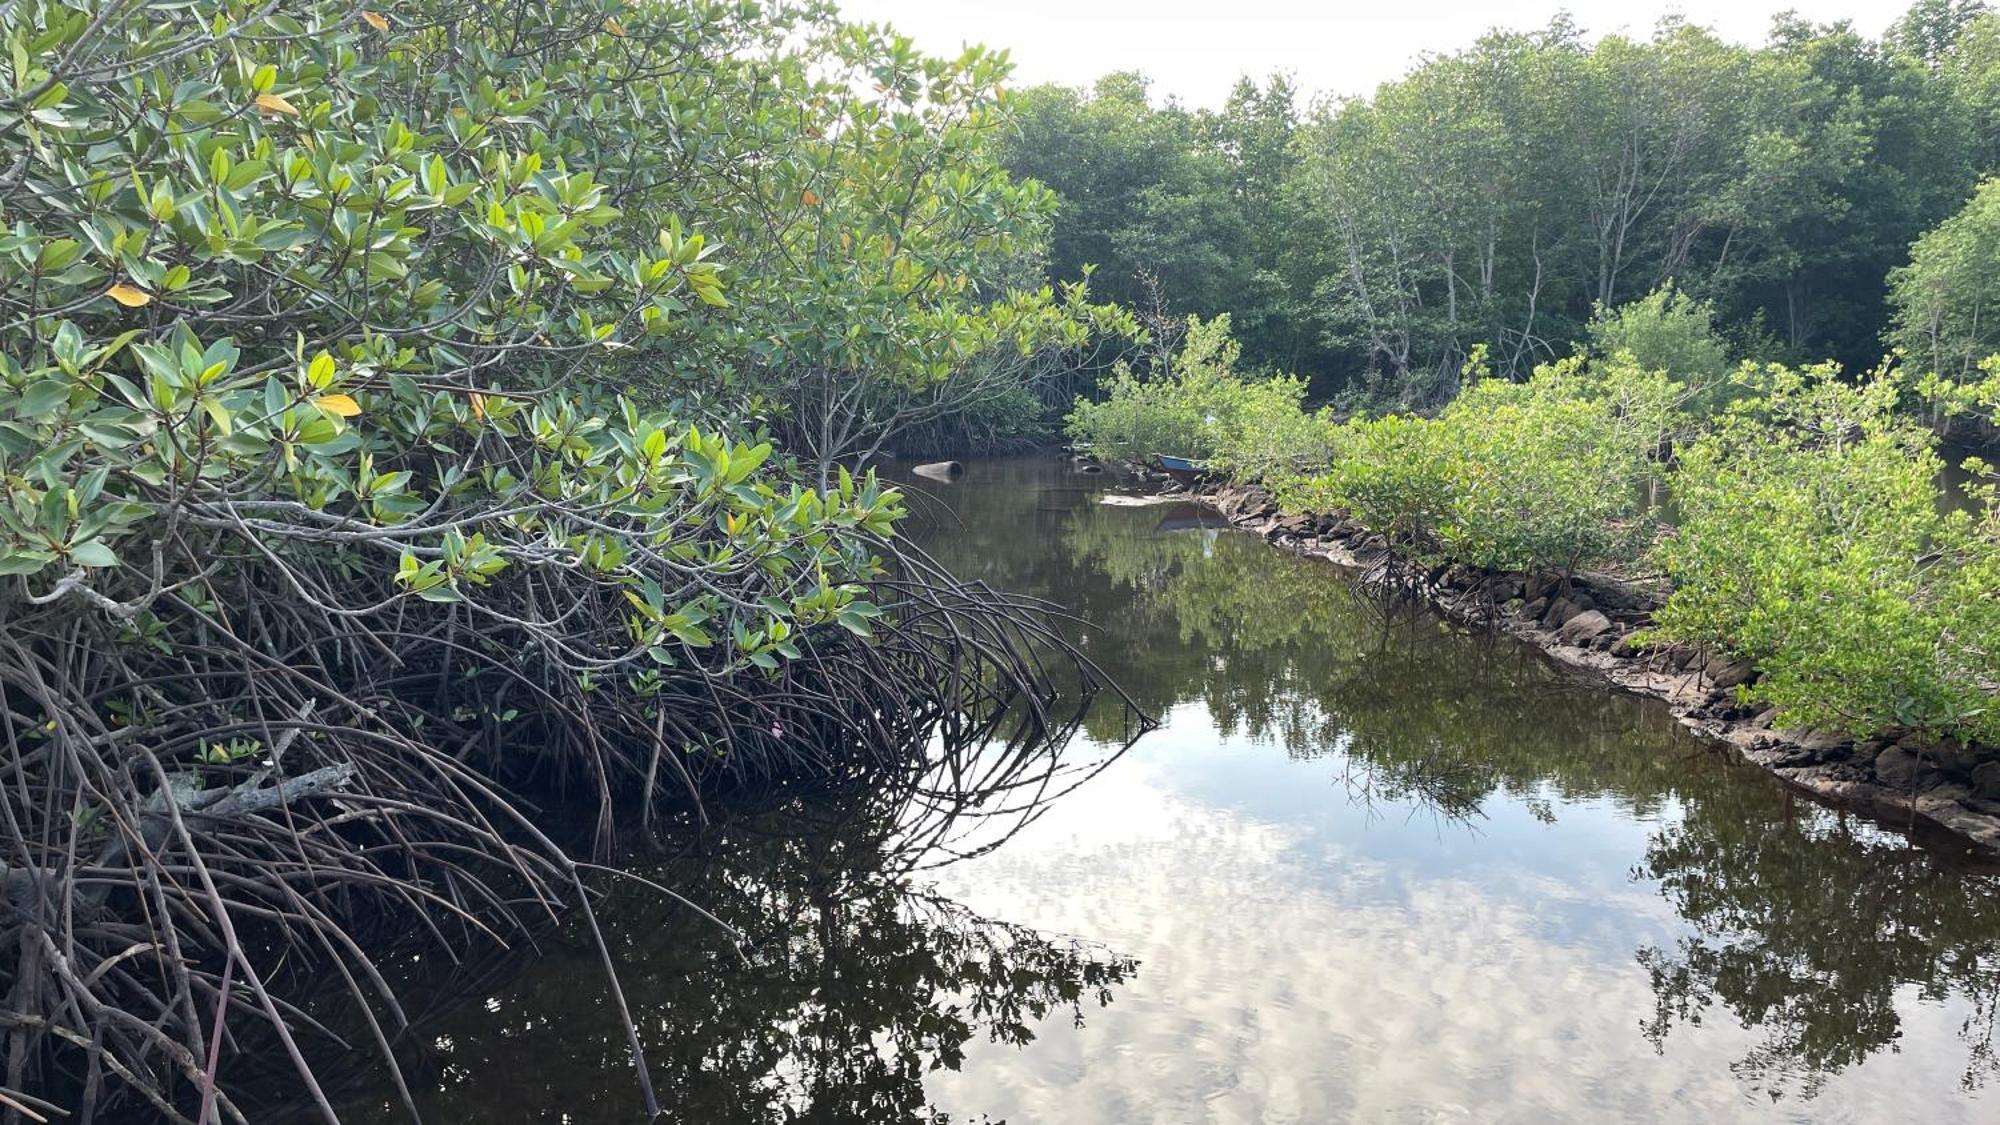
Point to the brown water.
(1369, 869)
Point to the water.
(1369, 869)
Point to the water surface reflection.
(1369, 869)
(1380, 870)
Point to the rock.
(1584, 627)
(1725, 673)
(1504, 588)
(1542, 586)
(1986, 781)
(1955, 757)
(1535, 609)
(1626, 646)
(1900, 769)
(1560, 611)
(1460, 577)
(1619, 597)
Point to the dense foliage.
(1947, 299)
(1193, 402)
(1667, 330)
(1547, 472)
(1502, 194)
(1814, 533)
(1815, 540)
(379, 421)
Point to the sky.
(1196, 50)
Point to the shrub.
(1511, 475)
(1196, 405)
(1814, 542)
(313, 477)
(1549, 472)
(1394, 475)
(1666, 330)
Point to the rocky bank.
(1945, 795)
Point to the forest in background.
(1504, 194)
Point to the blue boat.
(1180, 468)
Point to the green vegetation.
(1667, 330)
(1815, 542)
(1506, 193)
(1539, 277)
(401, 405)
(1814, 536)
(1192, 402)
(1511, 476)
(1947, 300)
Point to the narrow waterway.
(1369, 869)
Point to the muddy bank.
(1948, 796)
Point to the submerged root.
(202, 838)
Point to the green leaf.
(95, 553)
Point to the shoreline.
(1944, 797)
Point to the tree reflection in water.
(849, 984)
(1806, 926)
(1809, 927)
(787, 965)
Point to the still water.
(1368, 869)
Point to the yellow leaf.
(342, 405)
(479, 406)
(272, 103)
(376, 20)
(128, 296)
(809, 199)
(614, 27)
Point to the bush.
(1198, 406)
(1666, 330)
(1394, 475)
(1550, 472)
(1511, 475)
(1814, 541)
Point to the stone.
(1726, 673)
(1584, 627)
(1627, 646)
(1955, 757)
(1900, 769)
(1535, 609)
(1560, 610)
(1618, 597)
(1459, 577)
(1986, 781)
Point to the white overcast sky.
(1196, 50)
